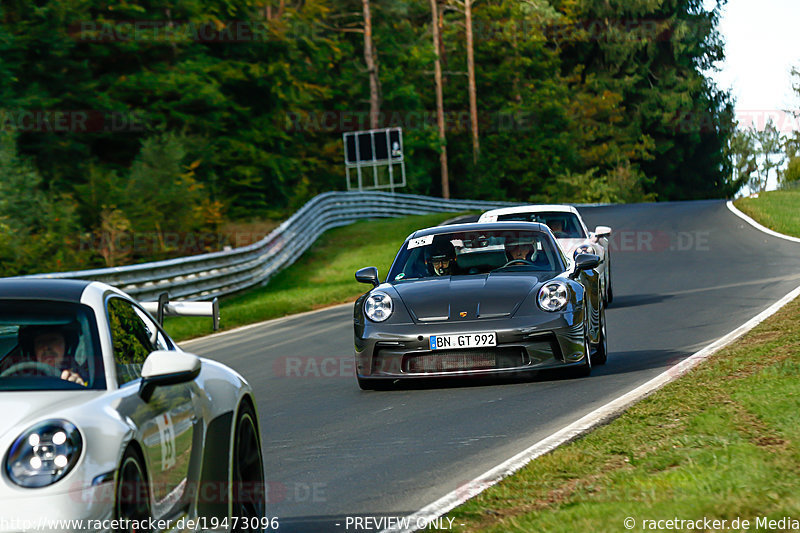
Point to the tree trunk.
(442, 51)
(473, 98)
(439, 101)
(372, 69)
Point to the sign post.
(380, 150)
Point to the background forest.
(143, 117)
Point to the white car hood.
(18, 410)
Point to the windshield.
(475, 252)
(563, 225)
(49, 346)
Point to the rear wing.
(163, 307)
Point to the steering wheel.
(31, 365)
(519, 262)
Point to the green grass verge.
(777, 210)
(723, 442)
(323, 276)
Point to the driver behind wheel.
(441, 258)
(520, 249)
(53, 346)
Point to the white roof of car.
(538, 208)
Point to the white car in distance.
(569, 230)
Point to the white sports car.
(106, 424)
(569, 230)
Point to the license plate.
(466, 340)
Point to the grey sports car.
(479, 300)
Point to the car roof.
(481, 226)
(538, 208)
(67, 290)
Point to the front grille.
(458, 360)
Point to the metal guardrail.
(221, 273)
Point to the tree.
(473, 98)
(791, 175)
(651, 57)
(372, 68)
(742, 153)
(38, 229)
(439, 98)
(578, 99)
(770, 155)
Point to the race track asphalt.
(684, 274)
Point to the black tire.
(609, 289)
(132, 497)
(247, 473)
(600, 355)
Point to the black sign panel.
(375, 146)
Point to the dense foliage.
(142, 116)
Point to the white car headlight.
(584, 249)
(44, 453)
(378, 306)
(553, 296)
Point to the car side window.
(131, 339)
(157, 339)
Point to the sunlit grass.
(323, 276)
(723, 442)
(777, 210)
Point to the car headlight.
(584, 249)
(378, 306)
(553, 296)
(44, 453)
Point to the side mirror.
(602, 231)
(164, 367)
(368, 275)
(585, 262)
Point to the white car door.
(167, 423)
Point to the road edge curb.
(733, 209)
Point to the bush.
(38, 229)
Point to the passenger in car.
(557, 227)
